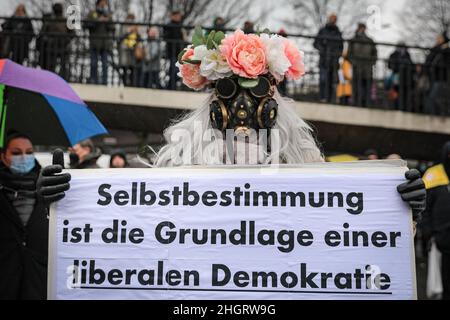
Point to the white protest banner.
(319, 231)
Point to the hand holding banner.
(322, 231)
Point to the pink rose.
(297, 68)
(191, 72)
(245, 54)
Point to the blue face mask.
(22, 164)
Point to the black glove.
(51, 185)
(414, 192)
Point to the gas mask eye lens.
(226, 88)
(218, 115)
(267, 113)
(262, 89)
(239, 108)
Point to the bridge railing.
(111, 58)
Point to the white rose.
(278, 63)
(213, 65)
(199, 52)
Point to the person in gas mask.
(244, 120)
(84, 155)
(23, 221)
(236, 122)
(436, 221)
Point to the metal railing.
(111, 58)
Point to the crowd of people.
(347, 73)
(24, 211)
(139, 54)
(147, 57)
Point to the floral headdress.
(246, 56)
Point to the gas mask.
(244, 109)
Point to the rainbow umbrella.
(43, 106)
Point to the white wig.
(187, 144)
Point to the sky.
(388, 14)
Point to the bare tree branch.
(422, 20)
(308, 16)
(196, 12)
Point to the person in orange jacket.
(344, 87)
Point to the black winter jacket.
(23, 249)
(330, 45)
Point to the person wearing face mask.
(436, 219)
(84, 155)
(23, 222)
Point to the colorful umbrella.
(43, 106)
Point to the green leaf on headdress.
(266, 31)
(196, 41)
(180, 55)
(210, 40)
(198, 38)
(192, 61)
(218, 37)
(248, 83)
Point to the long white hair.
(186, 143)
